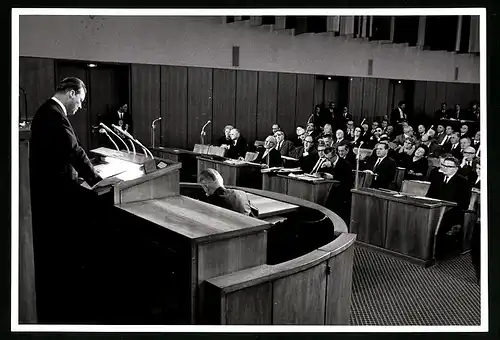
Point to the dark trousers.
(449, 245)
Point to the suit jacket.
(396, 116)
(232, 199)
(307, 163)
(439, 137)
(350, 158)
(237, 150)
(458, 189)
(469, 172)
(56, 157)
(454, 152)
(272, 159)
(342, 172)
(386, 172)
(113, 118)
(222, 140)
(420, 166)
(286, 148)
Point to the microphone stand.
(203, 133)
(111, 139)
(356, 182)
(109, 130)
(25, 104)
(153, 126)
(147, 153)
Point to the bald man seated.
(232, 199)
(270, 156)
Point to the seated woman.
(358, 138)
(416, 167)
(405, 152)
(270, 156)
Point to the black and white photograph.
(199, 170)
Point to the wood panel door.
(173, 98)
(108, 88)
(267, 106)
(145, 101)
(199, 104)
(224, 101)
(37, 80)
(80, 120)
(287, 92)
(246, 104)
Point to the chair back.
(364, 180)
(251, 156)
(200, 148)
(415, 187)
(399, 176)
(216, 150)
(363, 153)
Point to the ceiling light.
(92, 65)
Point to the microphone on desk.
(203, 133)
(121, 132)
(128, 135)
(109, 130)
(104, 132)
(357, 166)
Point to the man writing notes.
(56, 162)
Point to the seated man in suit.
(468, 165)
(384, 168)
(226, 138)
(339, 199)
(453, 147)
(442, 113)
(307, 155)
(349, 130)
(274, 128)
(398, 115)
(299, 140)
(238, 147)
(345, 152)
(232, 199)
(284, 146)
(476, 141)
(447, 184)
(440, 134)
(270, 156)
(464, 131)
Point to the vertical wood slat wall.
(186, 97)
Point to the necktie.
(376, 164)
(445, 179)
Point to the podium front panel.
(368, 218)
(274, 183)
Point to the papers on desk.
(306, 177)
(289, 158)
(272, 169)
(426, 198)
(290, 170)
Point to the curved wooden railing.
(314, 288)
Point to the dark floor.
(390, 291)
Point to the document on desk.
(108, 170)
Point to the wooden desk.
(268, 207)
(240, 174)
(186, 157)
(401, 225)
(314, 191)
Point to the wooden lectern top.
(196, 220)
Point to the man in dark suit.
(238, 147)
(442, 113)
(57, 160)
(476, 141)
(226, 138)
(453, 147)
(468, 165)
(339, 199)
(384, 168)
(447, 184)
(232, 199)
(270, 156)
(346, 153)
(398, 116)
(284, 146)
(307, 155)
(121, 118)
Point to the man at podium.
(56, 162)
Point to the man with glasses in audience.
(448, 185)
(468, 165)
(307, 155)
(299, 140)
(284, 146)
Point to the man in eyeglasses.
(449, 185)
(468, 165)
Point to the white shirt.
(401, 114)
(61, 105)
(120, 115)
(377, 163)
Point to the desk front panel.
(274, 183)
(314, 192)
(410, 229)
(369, 218)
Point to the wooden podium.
(396, 223)
(314, 191)
(233, 172)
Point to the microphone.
(109, 130)
(153, 131)
(362, 121)
(357, 166)
(128, 135)
(203, 133)
(309, 119)
(104, 132)
(154, 122)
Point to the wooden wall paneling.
(399, 93)
(287, 93)
(355, 101)
(419, 98)
(431, 97)
(80, 121)
(37, 79)
(246, 104)
(440, 96)
(319, 91)
(104, 98)
(145, 100)
(369, 98)
(173, 100)
(332, 91)
(382, 98)
(224, 104)
(476, 92)
(199, 104)
(267, 104)
(250, 306)
(304, 106)
(452, 95)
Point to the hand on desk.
(369, 172)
